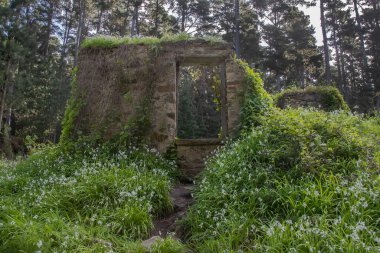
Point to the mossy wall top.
(327, 98)
(131, 88)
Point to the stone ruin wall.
(113, 83)
(303, 99)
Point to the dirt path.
(182, 199)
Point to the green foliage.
(199, 102)
(302, 181)
(169, 245)
(112, 42)
(332, 98)
(72, 110)
(291, 55)
(92, 201)
(257, 102)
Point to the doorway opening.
(201, 101)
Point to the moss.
(332, 99)
(153, 42)
(257, 102)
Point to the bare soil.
(168, 224)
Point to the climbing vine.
(257, 102)
(74, 105)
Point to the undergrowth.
(92, 201)
(303, 181)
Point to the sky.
(314, 14)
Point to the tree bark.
(376, 45)
(337, 57)
(135, 18)
(156, 18)
(99, 24)
(50, 13)
(125, 20)
(183, 17)
(325, 44)
(343, 69)
(68, 25)
(237, 29)
(4, 86)
(361, 38)
(80, 30)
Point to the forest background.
(40, 41)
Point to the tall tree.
(237, 28)
(135, 18)
(325, 43)
(80, 29)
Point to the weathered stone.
(119, 81)
(171, 115)
(148, 244)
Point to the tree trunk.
(361, 38)
(325, 44)
(156, 18)
(50, 12)
(99, 24)
(376, 45)
(366, 92)
(80, 30)
(337, 57)
(183, 18)
(4, 87)
(237, 29)
(343, 69)
(124, 29)
(134, 29)
(68, 25)
(137, 22)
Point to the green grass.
(82, 202)
(112, 42)
(303, 181)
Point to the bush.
(94, 201)
(328, 98)
(303, 181)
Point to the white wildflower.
(39, 244)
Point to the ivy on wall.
(257, 102)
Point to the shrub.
(303, 181)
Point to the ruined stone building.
(138, 85)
